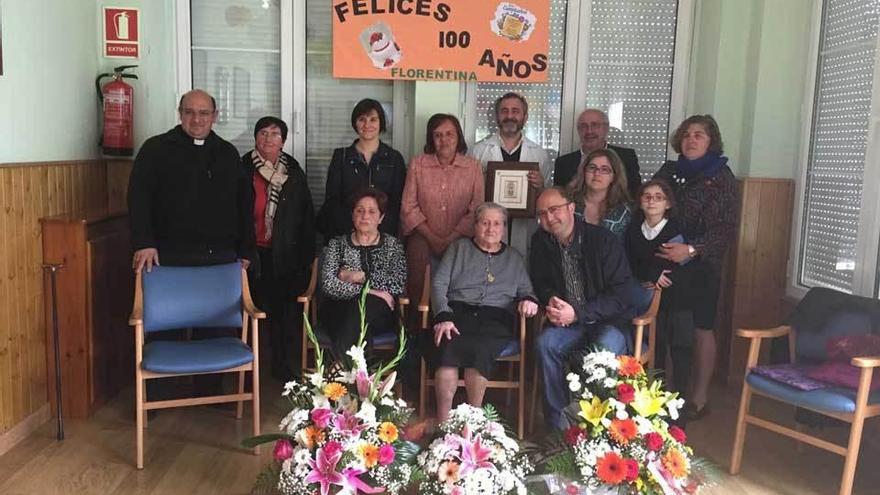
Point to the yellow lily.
(594, 411)
(649, 401)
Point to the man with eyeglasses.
(592, 127)
(189, 199)
(582, 279)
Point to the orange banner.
(441, 40)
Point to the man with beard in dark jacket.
(189, 200)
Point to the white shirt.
(651, 232)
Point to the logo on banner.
(121, 32)
(449, 40)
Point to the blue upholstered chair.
(379, 340)
(845, 315)
(179, 298)
(514, 355)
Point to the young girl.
(653, 226)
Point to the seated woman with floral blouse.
(351, 260)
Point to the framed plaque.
(507, 183)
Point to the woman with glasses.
(599, 191)
(285, 235)
(706, 197)
(367, 163)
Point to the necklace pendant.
(490, 277)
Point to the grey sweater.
(472, 276)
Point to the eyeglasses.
(190, 113)
(659, 197)
(269, 135)
(591, 125)
(599, 170)
(553, 210)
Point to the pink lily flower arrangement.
(343, 432)
(474, 454)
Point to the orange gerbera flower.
(312, 436)
(623, 430)
(370, 454)
(388, 432)
(675, 462)
(611, 469)
(334, 390)
(448, 472)
(629, 366)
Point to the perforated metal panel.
(632, 48)
(835, 170)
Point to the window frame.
(867, 262)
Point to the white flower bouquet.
(342, 434)
(473, 455)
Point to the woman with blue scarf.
(706, 197)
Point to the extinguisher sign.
(121, 32)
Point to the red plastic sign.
(121, 32)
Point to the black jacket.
(565, 167)
(293, 230)
(190, 201)
(348, 173)
(606, 274)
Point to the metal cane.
(53, 269)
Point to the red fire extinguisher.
(117, 98)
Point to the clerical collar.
(198, 142)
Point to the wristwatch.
(692, 251)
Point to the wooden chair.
(179, 298)
(514, 355)
(843, 404)
(379, 341)
(645, 356)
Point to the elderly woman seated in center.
(476, 291)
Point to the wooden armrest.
(425, 299)
(246, 300)
(866, 361)
(643, 320)
(137, 310)
(403, 301)
(309, 294)
(764, 333)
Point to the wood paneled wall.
(757, 269)
(29, 192)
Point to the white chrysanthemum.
(610, 383)
(645, 426)
(294, 420)
(621, 414)
(320, 402)
(574, 385)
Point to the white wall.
(51, 55)
(48, 105)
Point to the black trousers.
(276, 295)
(341, 320)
